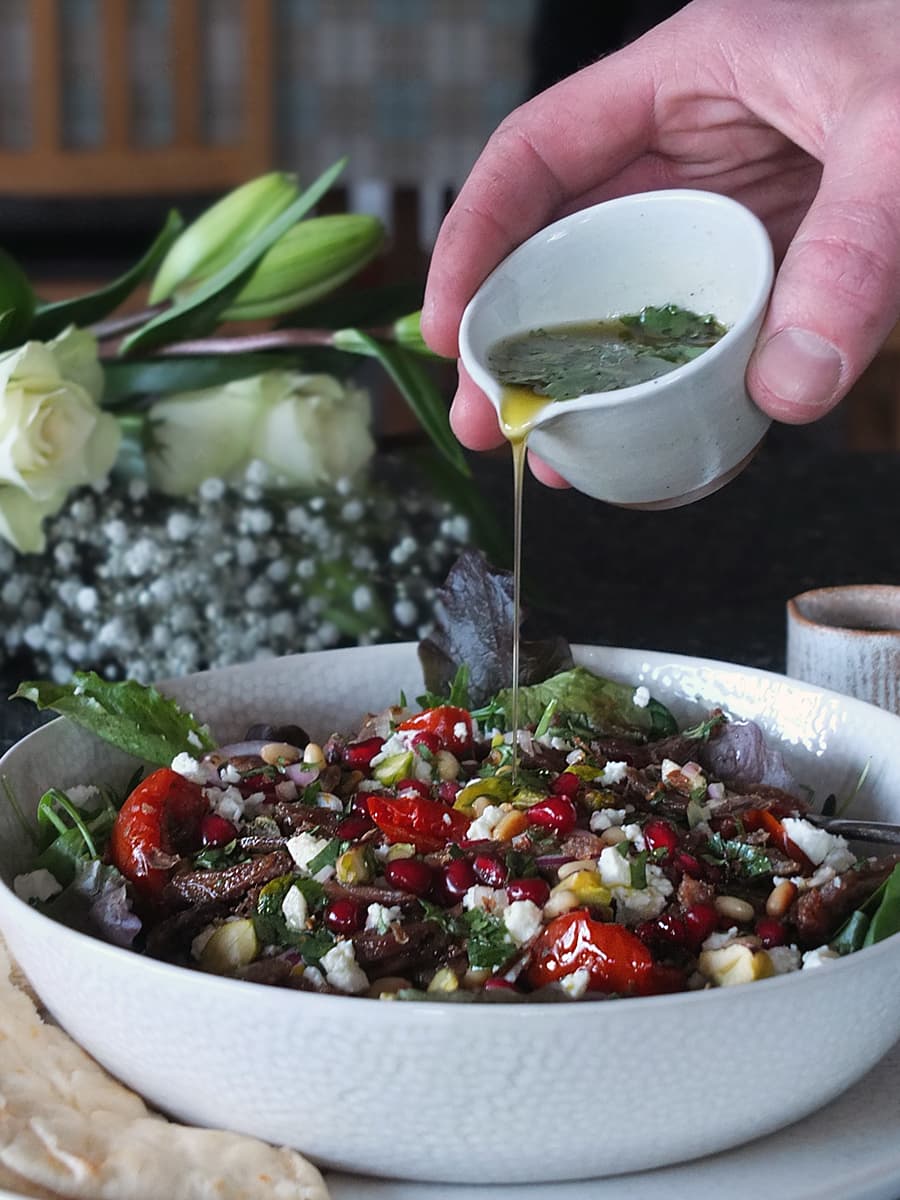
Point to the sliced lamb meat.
(294, 817)
(365, 893)
(820, 912)
(230, 883)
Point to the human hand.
(790, 106)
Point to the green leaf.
(51, 319)
(852, 934)
(607, 706)
(327, 856)
(419, 390)
(74, 844)
(488, 943)
(753, 860)
(268, 920)
(702, 731)
(199, 312)
(137, 719)
(17, 302)
(886, 917)
(155, 377)
(357, 307)
(215, 858)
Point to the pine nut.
(313, 755)
(561, 902)
(781, 898)
(509, 826)
(572, 868)
(277, 753)
(613, 835)
(734, 909)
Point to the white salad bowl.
(673, 439)
(486, 1092)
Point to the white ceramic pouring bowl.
(676, 438)
(471, 1093)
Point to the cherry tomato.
(451, 726)
(426, 824)
(161, 817)
(760, 818)
(617, 960)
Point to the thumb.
(837, 295)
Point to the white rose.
(309, 429)
(53, 435)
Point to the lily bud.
(310, 260)
(407, 333)
(221, 232)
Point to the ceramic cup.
(676, 438)
(848, 639)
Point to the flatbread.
(69, 1131)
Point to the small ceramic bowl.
(848, 639)
(678, 437)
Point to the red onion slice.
(240, 749)
(300, 774)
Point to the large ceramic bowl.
(475, 1092)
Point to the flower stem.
(116, 326)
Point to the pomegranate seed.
(358, 755)
(496, 984)
(355, 826)
(344, 916)
(409, 875)
(689, 864)
(448, 791)
(667, 930)
(700, 920)
(771, 932)
(536, 890)
(660, 835)
(430, 741)
(458, 877)
(360, 804)
(556, 812)
(418, 786)
(489, 870)
(566, 784)
(216, 830)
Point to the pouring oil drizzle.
(519, 409)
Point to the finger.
(837, 295)
(472, 416)
(545, 474)
(552, 149)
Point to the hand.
(790, 106)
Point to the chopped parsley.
(752, 859)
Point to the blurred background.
(113, 110)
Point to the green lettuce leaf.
(137, 719)
(604, 706)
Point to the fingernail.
(800, 368)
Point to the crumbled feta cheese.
(36, 885)
(229, 803)
(461, 731)
(634, 906)
(819, 957)
(784, 959)
(381, 917)
(557, 743)
(576, 983)
(229, 773)
(635, 835)
(342, 970)
(398, 743)
(819, 846)
(304, 847)
(669, 769)
(82, 794)
(720, 938)
(613, 772)
(574, 756)
(369, 785)
(605, 818)
(198, 945)
(492, 900)
(196, 772)
(194, 739)
(286, 790)
(522, 920)
(482, 828)
(295, 910)
(614, 868)
(641, 697)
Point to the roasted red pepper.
(160, 819)
(760, 818)
(426, 824)
(616, 959)
(451, 726)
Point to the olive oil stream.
(519, 409)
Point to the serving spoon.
(858, 831)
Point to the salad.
(412, 859)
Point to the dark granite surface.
(710, 579)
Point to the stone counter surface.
(710, 579)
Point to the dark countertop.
(710, 579)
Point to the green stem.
(117, 326)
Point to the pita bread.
(69, 1131)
